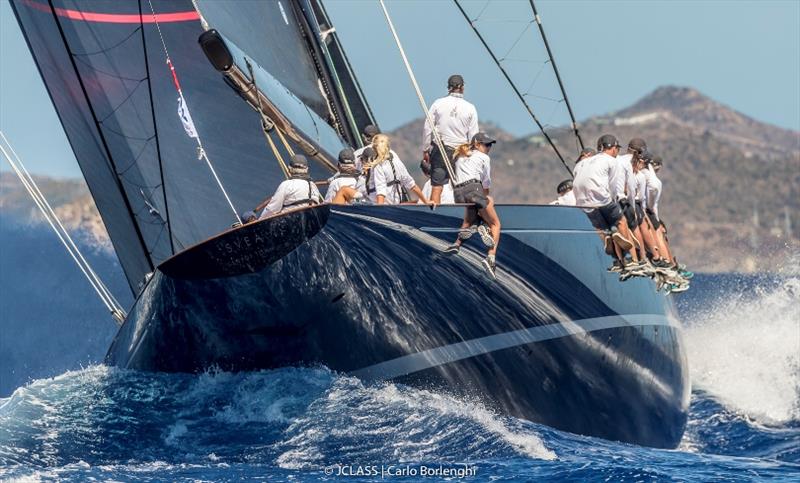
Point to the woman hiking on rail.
(472, 183)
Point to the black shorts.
(605, 217)
(471, 193)
(630, 215)
(639, 213)
(653, 219)
(439, 174)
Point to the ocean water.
(100, 423)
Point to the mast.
(514, 88)
(558, 76)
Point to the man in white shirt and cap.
(566, 197)
(367, 134)
(456, 121)
(296, 192)
(347, 185)
(596, 188)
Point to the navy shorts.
(471, 193)
(639, 213)
(439, 175)
(629, 211)
(653, 219)
(604, 217)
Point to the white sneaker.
(486, 236)
(466, 233)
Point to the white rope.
(436, 137)
(201, 152)
(61, 232)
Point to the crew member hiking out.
(472, 184)
(344, 186)
(392, 181)
(593, 185)
(566, 197)
(296, 192)
(456, 121)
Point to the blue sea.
(101, 423)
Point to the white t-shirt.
(653, 189)
(475, 166)
(340, 181)
(447, 193)
(456, 121)
(641, 187)
(567, 199)
(626, 185)
(385, 178)
(593, 181)
(288, 192)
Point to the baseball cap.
(368, 153)
(586, 152)
(299, 161)
(564, 186)
(638, 145)
(607, 141)
(347, 156)
(657, 161)
(646, 156)
(483, 138)
(371, 130)
(455, 80)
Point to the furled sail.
(105, 69)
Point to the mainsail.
(105, 69)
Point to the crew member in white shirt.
(651, 244)
(585, 153)
(636, 147)
(369, 132)
(456, 121)
(595, 187)
(298, 191)
(392, 180)
(472, 185)
(565, 195)
(346, 186)
(654, 187)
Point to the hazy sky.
(744, 54)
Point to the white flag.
(186, 118)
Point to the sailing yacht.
(180, 114)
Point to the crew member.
(344, 186)
(645, 228)
(593, 185)
(369, 132)
(392, 181)
(626, 193)
(472, 185)
(565, 195)
(456, 121)
(585, 153)
(296, 192)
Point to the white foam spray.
(744, 350)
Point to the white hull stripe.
(484, 345)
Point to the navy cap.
(347, 156)
(298, 161)
(657, 161)
(370, 130)
(607, 141)
(368, 153)
(585, 153)
(455, 81)
(483, 138)
(564, 186)
(638, 145)
(646, 156)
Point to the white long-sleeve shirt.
(384, 179)
(626, 184)
(593, 181)
(653, 189)
(291, 191)
(641, 187)
(340, 181)
(456, 121)
(475, 166)
(567, 199)
(447, 193)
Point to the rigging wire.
(267, 125)
(558, 76)
(436, 137)
(513, 87)
(201, 152)
(61, 232)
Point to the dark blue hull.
(365, 290)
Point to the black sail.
(104, 66)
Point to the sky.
(745, 54)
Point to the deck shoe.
(452, 250)
(623, 242)
(466, 233)
(615, 267)
(486, 236)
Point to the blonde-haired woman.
(472, 184)
(391, 178)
